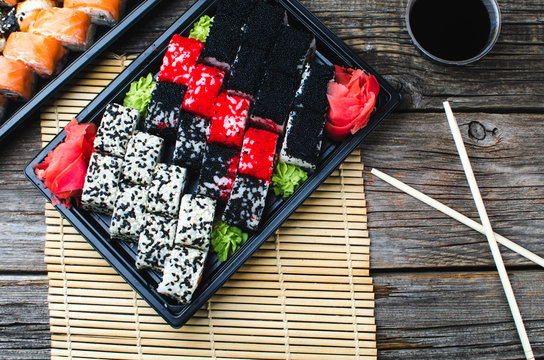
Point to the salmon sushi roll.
(42, 54)
(16, 79)
(71, 27)
(29, 9)
(102, 12)
(8, 3)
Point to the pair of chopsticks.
(485, 228)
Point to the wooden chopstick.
(454, 127)
(456, 215)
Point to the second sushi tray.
(39, 37)
(239, 126)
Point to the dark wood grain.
(24, 317)
(505, 152)
(22, 225)
(456, 315)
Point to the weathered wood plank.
(22, 225)
(24, 317)
(457, 315)
(419, 150)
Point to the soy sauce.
(451, 29)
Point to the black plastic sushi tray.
(121, 255)
(17, 113)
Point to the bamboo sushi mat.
(306, 294)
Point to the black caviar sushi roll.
(263, 26)
(312, 92)
(303, 136)
(191, 141)
(219, 168)
(246, 72)
(225, 35)
(164, 109)
(246, 203)
(273, 101)
(292, 50)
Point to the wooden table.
(438, 295)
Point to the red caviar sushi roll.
(180, 60)
(257, 155)
(16, 79)
(42, 54)
(203, 89)
(229, 117)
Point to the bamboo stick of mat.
(456, 215)
(454, 127)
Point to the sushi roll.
(102, 12)
(191, 141)
(225, 35)
(182, 272)
(203, 89)
(292, 50)
(218, 171)
(164, 108)
(42, 54)
(303, 136)
(128, 212)
(143, 153)
(257, 155)
(117, 126)
(71, 27)
(8, 3)
(155, 241)
(246, 72)
(180, 60)
(312, 92)
(101, 183)
(238, 10)
(164, 192)
(246, 203)
(229, 116)
(16, 79)
(195, 222)
(273, 101)
(263, 26)
(8, 24)
(28, 10)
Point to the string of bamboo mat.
(305, 294)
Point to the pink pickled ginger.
(352, 99)
(63, 170)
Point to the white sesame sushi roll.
(182, 273)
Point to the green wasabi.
(226, 240)
(287, 178)
(201, 29)
(139, 95)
